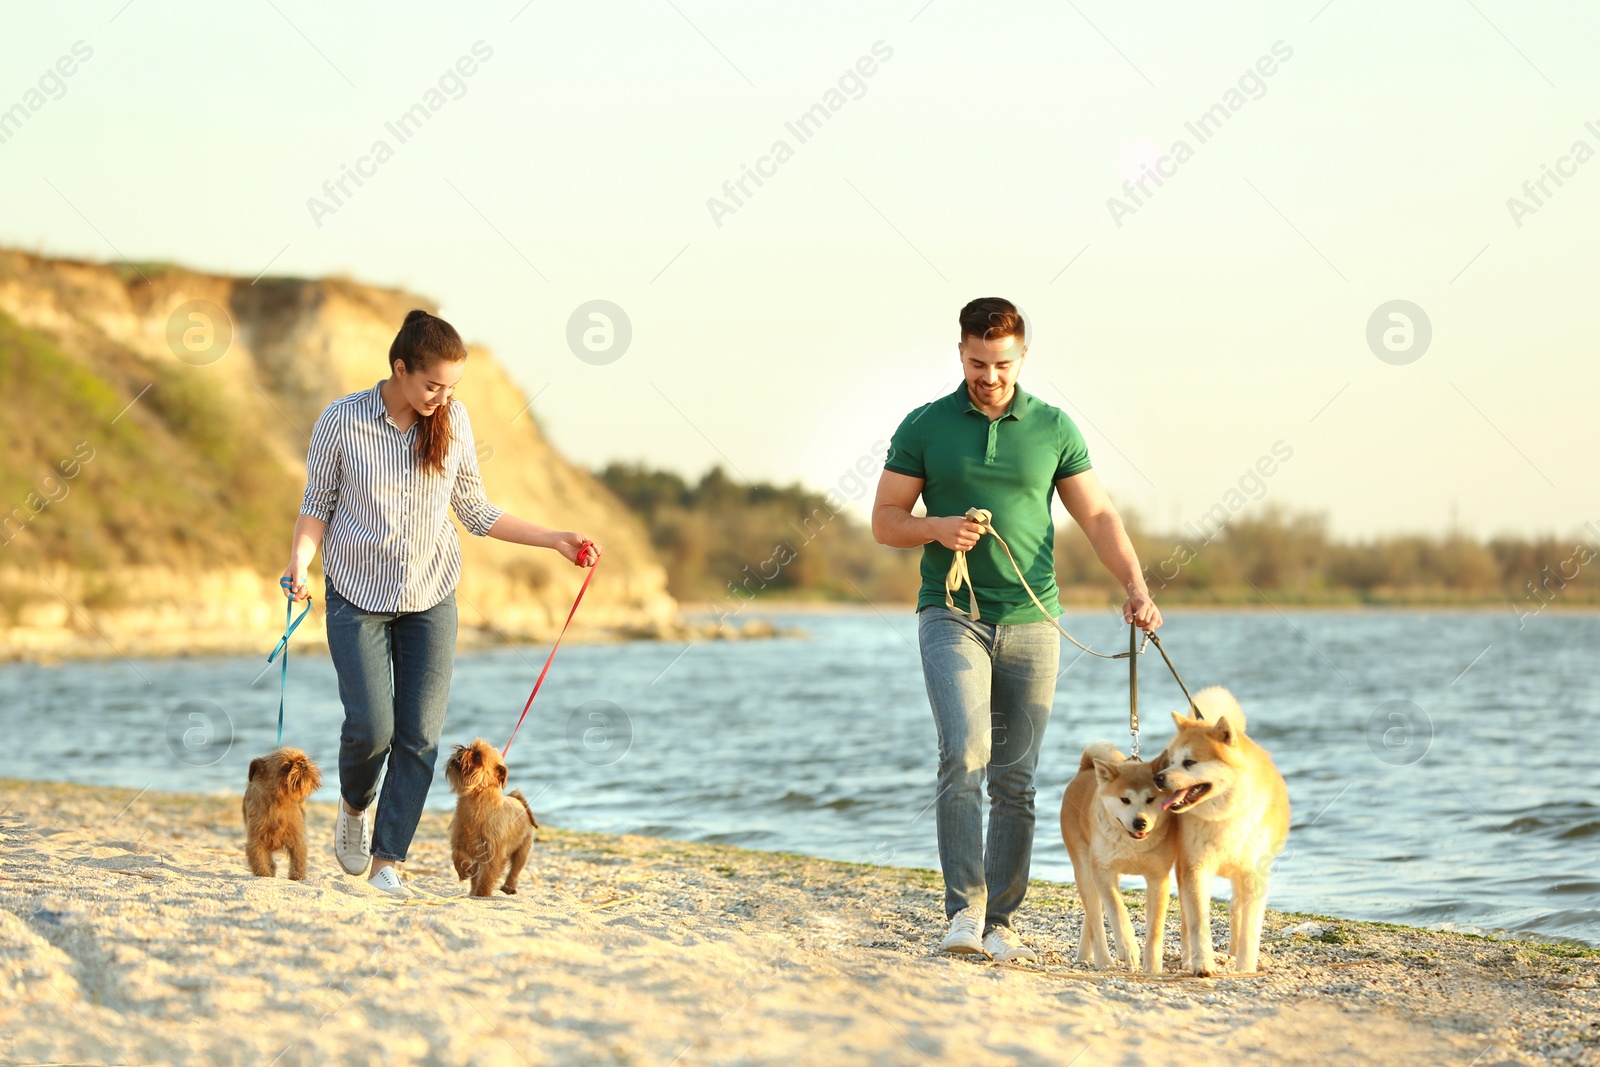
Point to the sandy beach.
(132, 933)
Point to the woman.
(382, 466)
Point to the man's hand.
(1142, 610)
(955, 532)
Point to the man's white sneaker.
(389, 881)
(1003, 944)
(963, 936)
(352, 843)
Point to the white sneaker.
(389, 881)
(963, 936)
(352, 841)
(1005, 946)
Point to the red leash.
(583, 553)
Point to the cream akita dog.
(1112, 824)
(1233, 809)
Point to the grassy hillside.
(147, 501)
(175, 479)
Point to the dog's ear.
(257, 766)
(1103, 771)
(500, 773)
(1223, 731)
(1160, 763)
(1180, 720)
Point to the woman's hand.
(296, 573)
(577, 548)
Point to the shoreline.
(130, 928)
(822, 607)
(750, 623)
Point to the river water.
(1438, 762)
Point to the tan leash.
(959, 575)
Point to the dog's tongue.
(1167, 802)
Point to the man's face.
(991, 367)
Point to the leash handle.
(283, 646)
(584, 551)
(959, 575)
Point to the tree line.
(723, 540)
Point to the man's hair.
(990, 318)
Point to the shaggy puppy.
(490, 832)
(275, 810)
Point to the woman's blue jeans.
(394, 681)
(991, 688)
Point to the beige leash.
(958, 576)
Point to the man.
(991, 682)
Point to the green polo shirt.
(1008, 466)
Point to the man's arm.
(895, 526)
(1089, 506)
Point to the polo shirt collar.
(1017, 408)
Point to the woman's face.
(432, 386)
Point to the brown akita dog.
(1234, 808)
(1113, 824)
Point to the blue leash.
(283, 646)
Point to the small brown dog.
(490, 831)
(275, 810)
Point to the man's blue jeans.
(394, 681)
(991, 688)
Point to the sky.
(1357, 154)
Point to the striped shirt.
(390, 545)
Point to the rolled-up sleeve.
(467, 498)
(324, 463)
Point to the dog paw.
(511, 890)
